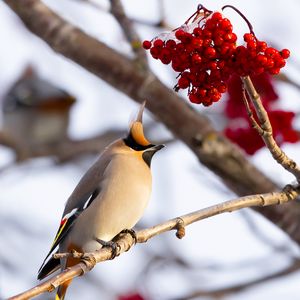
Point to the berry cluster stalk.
(264, 128)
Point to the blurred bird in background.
(110, 198)
(35, 113)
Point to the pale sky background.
(32, 196)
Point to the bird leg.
(113, 245)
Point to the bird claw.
(111, 244)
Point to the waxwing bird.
(110, 197)
(35, 112)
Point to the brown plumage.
(110, 197)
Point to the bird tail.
(62, 289)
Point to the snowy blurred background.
(223, 251)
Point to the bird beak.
(149, 152)
(155, 148)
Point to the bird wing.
(66, 224)
(85, 192)
(88, 183)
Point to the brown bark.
(194, 129)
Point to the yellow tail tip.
(57, 297)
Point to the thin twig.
(222, 292)
(254, 123)
(265, 130)
(132, 36)
(159, 24)
(125, 242)
(286, 79)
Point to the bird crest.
(137, 130)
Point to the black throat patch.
(131, 142)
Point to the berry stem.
(242, 15)
(205, 10)
(194, 14)
(200, 10)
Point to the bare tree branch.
(287, 79)
(125, 241)
(66, 149)
(211, 148)
(222, 292)
(265, 129)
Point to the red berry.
(230, 37)
(216, 96)
(186, 75)
(279, 62)
(225, 50)
(196, 59)
(249, 37)
(213, 65)
(206, 33)
(274, 71)
(207, 101)
(251, 45)
(171, 44)
(261, 46)
(215, 75)
(225, 24)
(216, 17)
(187, 37)
(165, 56)
(210, 52)
(155, 52)
(202, 92)
(270, 63)
(183, 83)
(179, 34)
(270, 51)
(218, 40)
(261, 60)
(158, 43)
(222, 88)
(197, 43)
(197, 31)
(194, 98)
(180, 47)
(285, 53)
(221, 64)
(195, 80)
(147, 44)
(207, 42)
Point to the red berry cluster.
(239, 129)
(256, 57)
(234, 107)
(206, 55)
(248, 139)
(200, 56)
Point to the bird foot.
(111, 244)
